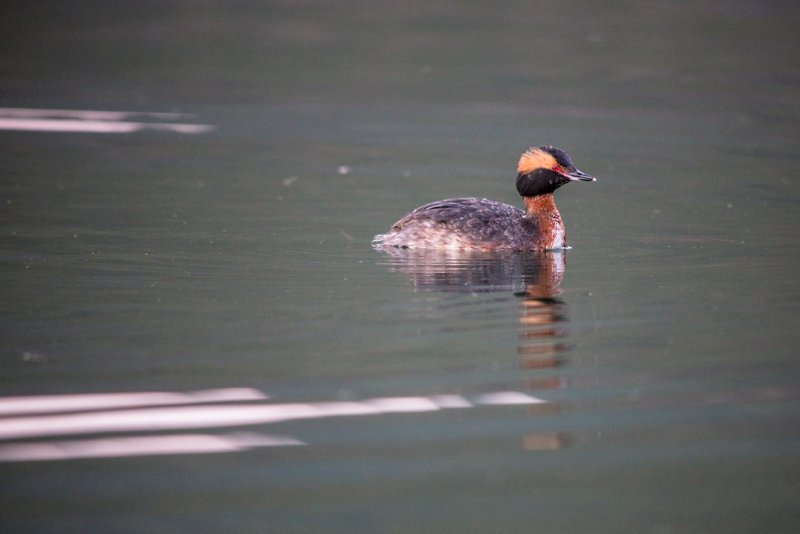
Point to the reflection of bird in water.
(537, 274)
(541, 311)
(535, 277)
(486, 225)
(463, 271)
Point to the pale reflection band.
(43, 417)
(92, 121)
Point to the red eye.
(557, 169)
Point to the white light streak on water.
(507, 397)
(96, 401)
(139, 446)
(222, 415)
(88, 121)
(44, 417)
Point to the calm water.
(197, 336)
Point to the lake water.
(197, 335)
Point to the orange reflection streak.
(541, 314)
(544, 441)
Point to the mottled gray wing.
(481, 219)
(458, 209)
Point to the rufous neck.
(540, 205)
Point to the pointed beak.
(577, 175)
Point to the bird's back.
(462, 223)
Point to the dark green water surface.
(656, 362)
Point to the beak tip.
(578, 175)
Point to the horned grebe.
(480, 224)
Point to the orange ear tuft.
(535, 158)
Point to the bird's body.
(474, 224)
(486, 225)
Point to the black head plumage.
(544, 169)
